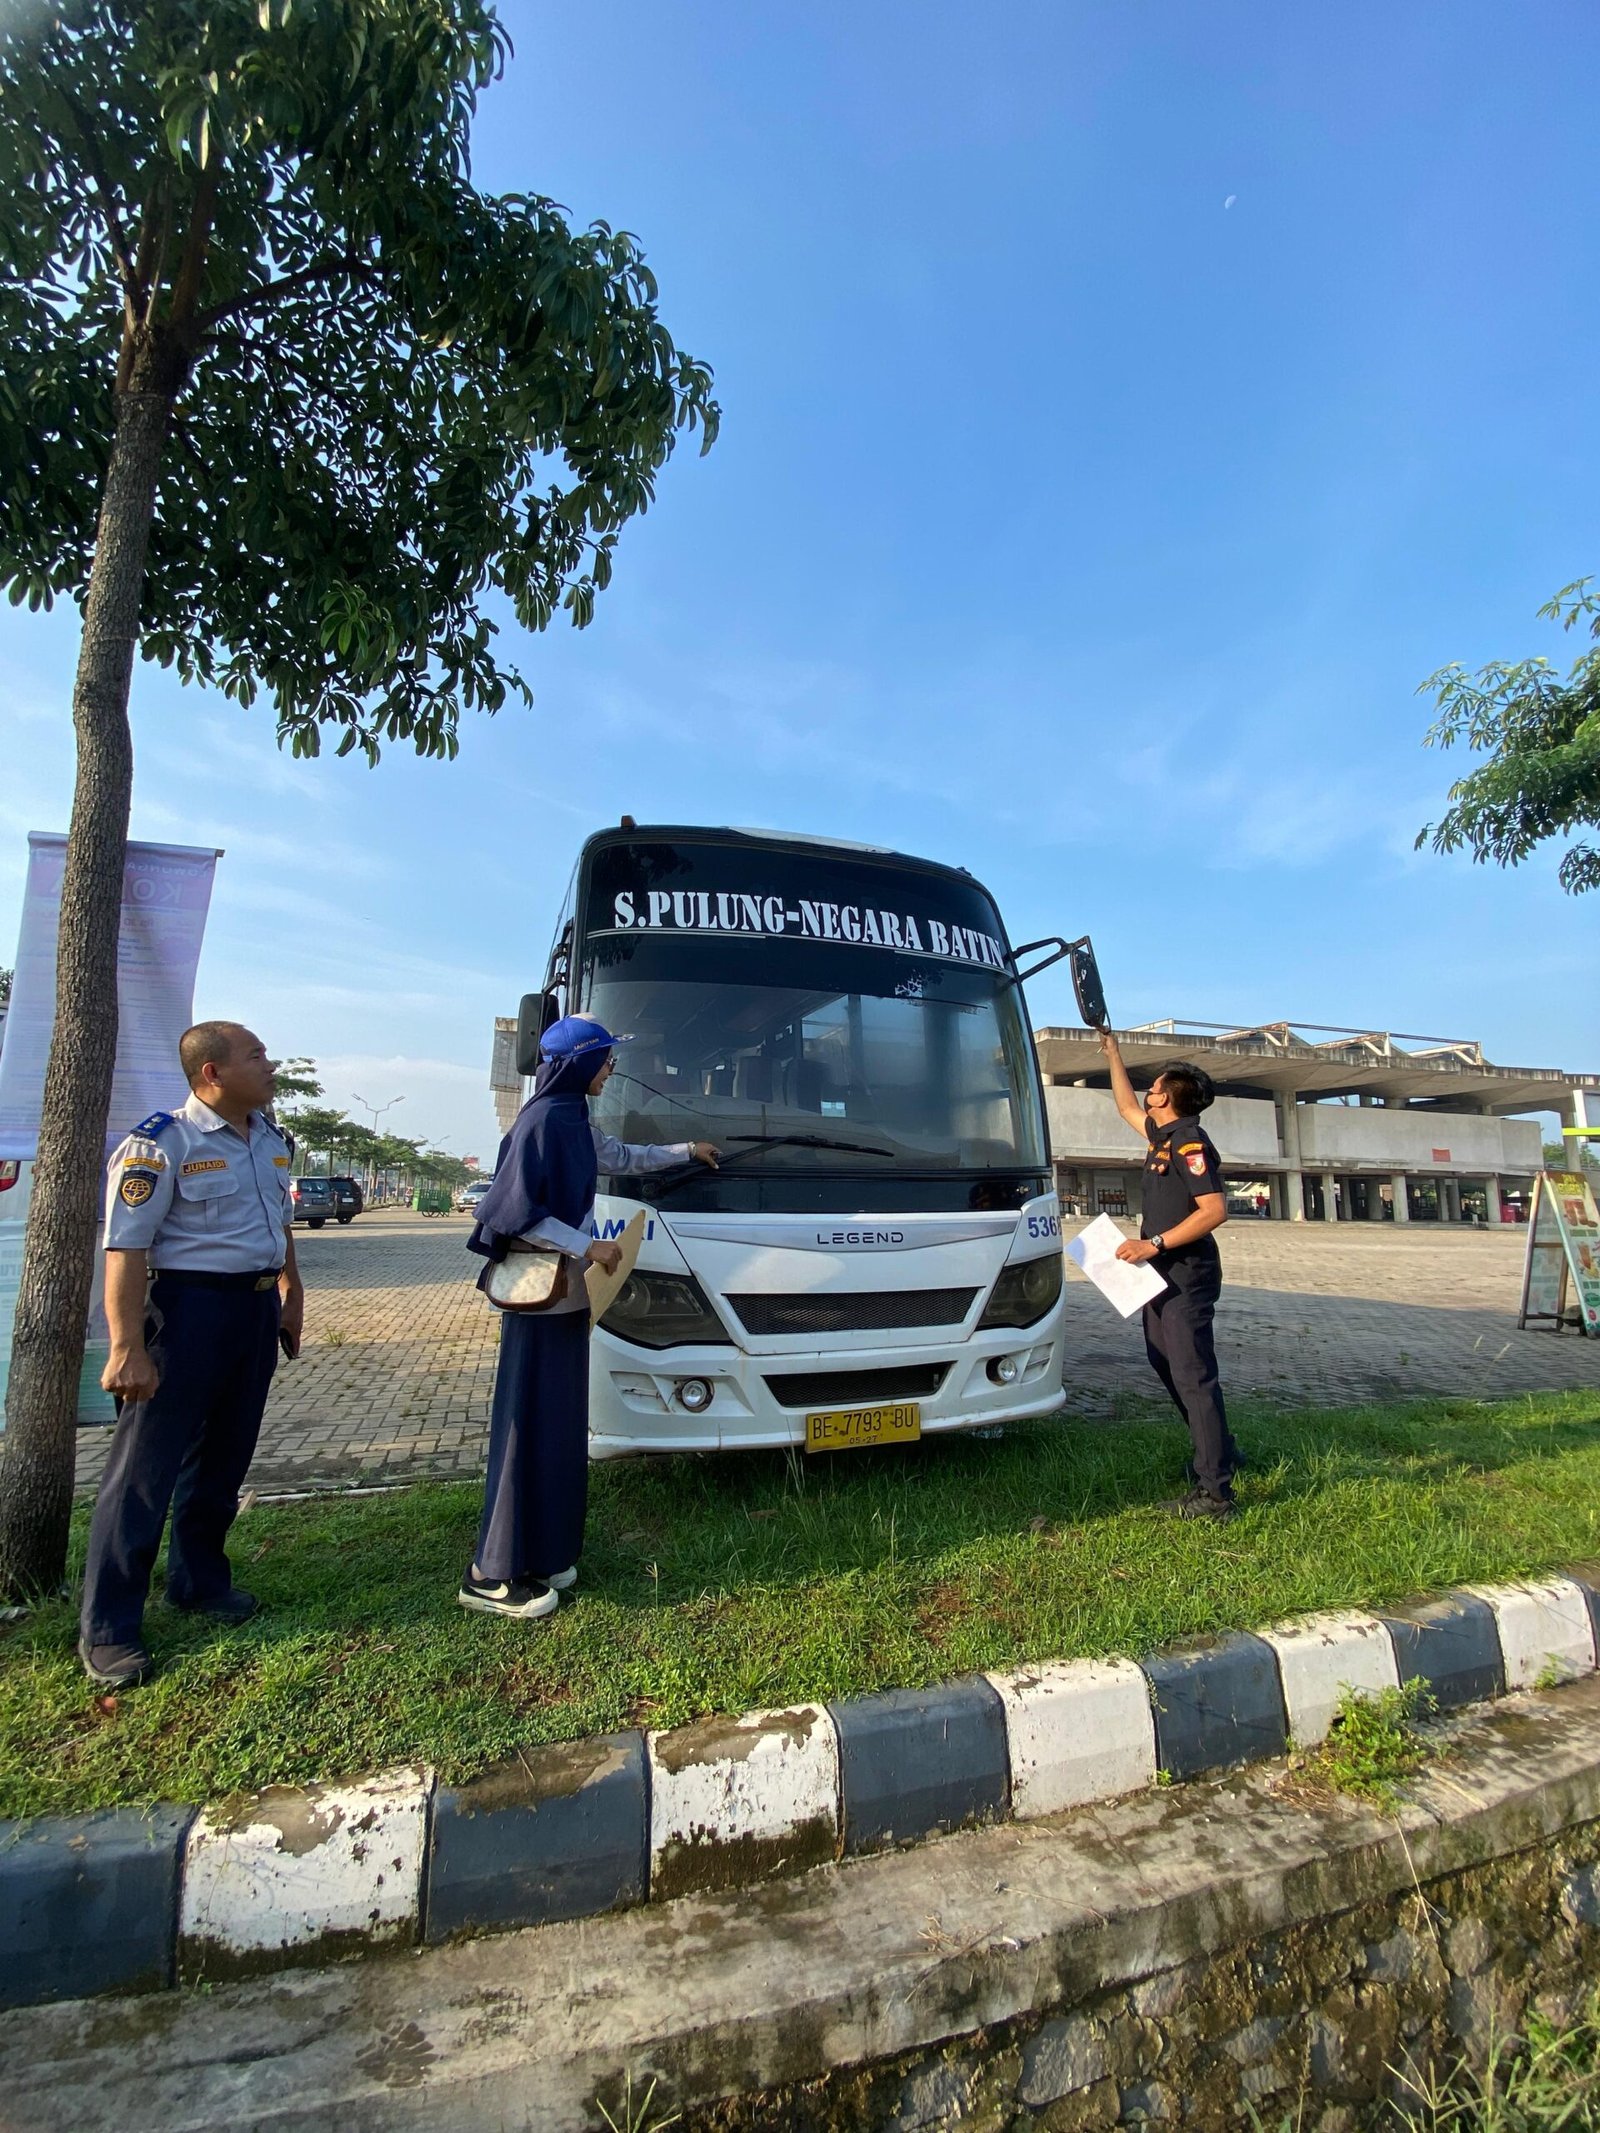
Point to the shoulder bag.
(531, 1277)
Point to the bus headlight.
(1024, 1292)
(663, 1311)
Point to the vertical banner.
(1561, 1272)
(166, 895)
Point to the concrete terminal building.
(1321, 1124)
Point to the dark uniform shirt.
(1181, 1167)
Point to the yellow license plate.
(845, 1429)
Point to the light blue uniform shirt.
(199, 1197)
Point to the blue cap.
(575, 1035)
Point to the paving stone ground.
(398, 1365)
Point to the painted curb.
(293, 1874)
(1450, 1644)
(744, 1799)
(1544, 1629)
(914, 1762)
(1586, 1576)
(1322, 1655)
(1218, 1703)
(1077, 1730)
(555, 1833)
(138, 1900)
(89, 1903)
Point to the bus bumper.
(636, 1404)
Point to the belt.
(191, 1278)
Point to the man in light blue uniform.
(201, 1286)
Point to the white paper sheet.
(1127, 1288)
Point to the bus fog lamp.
(1005, 1370)
(694, 1394)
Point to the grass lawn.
(723, 1583)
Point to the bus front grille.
(859, 1312)
(857, 1388)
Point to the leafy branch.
(1541, 732)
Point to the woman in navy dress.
(536, 1491)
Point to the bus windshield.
(810, 1013)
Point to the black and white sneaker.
(563, 1580)
(495, 1596)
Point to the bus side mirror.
(1086, 984)
(535, 1015)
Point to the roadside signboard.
(166, 892)
(1561, 1272)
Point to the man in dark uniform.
(201, 1286)
(1184, 1203)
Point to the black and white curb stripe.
(137, 1900)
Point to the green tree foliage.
(298, 1077)
(392, 393)
(317, 1128)
(1541, 733)
(288, 405)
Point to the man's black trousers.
(188, 1447)
(1183, 1354)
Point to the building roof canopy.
(1312, 1061)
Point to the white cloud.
(443, 1101)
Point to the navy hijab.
(546, 1165)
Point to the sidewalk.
(398, 1368)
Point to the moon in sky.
(1230, 199)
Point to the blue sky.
(1068, 522)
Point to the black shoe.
(115, 1666)
(498, 1596)
(230, 1607)
(1219, 1509)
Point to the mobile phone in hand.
(286, 1344)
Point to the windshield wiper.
(810, 1140)
(670, 1181)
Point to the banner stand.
(1561, 1269)
(166, 895)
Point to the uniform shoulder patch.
(1188, 1146)
(1196, 1160)
(142, 1155)
(282, 1161)
(136, 1188)
(153, 1124)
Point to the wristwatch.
(1159, 1241)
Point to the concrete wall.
(1373, 1138)
(1084, 1122)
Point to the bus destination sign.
(703, 911)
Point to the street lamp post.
(377, 1111)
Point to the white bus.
(879, 1255)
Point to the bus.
(878, 1256)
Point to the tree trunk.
(37, 1452)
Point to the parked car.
(348, 1198)
(469, 1196)
(314, 1202)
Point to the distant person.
(1184, 1203)
(201, 1287)
(536, 1491)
